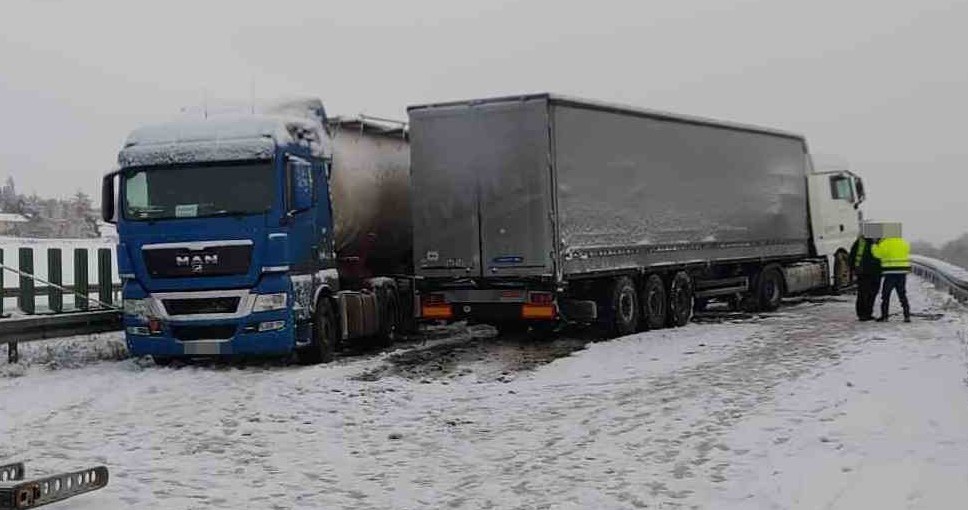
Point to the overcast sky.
(880, 84)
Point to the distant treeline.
(954, 252)
(72, 217)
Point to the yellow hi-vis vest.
(894, 254)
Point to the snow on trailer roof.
(371, 125)
(617, 108)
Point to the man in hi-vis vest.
(894, 252)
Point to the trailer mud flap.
(578, 310)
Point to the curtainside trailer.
(541, 208)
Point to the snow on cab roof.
(229, 137)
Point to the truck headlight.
(269, 302)
(136, 307)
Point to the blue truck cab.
(228, 246)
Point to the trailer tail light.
(540, 305)
(435, 299)
(541, 298)
(529, 311)
(435, 306)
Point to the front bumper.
(213, 338)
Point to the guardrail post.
(104, 283)
(27, 296)
(81, 282)
(55, 296)
(2, 283)
(12, 355)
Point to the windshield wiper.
(145, 212)
(235, 214)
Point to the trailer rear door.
(446, 236)
(482, 189)
(515, 190)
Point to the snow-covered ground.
(805, 408)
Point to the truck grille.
(201, 306)
(183, 262)
(192, 333)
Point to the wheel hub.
(626, 307)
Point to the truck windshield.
(223, 189)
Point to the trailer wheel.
(680, 299)
(623, 307)
(654, 308)
(841, 270)
(325, 335)
(769, 288)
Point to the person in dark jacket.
(867, 269)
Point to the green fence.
(94, 301)
(87, 293)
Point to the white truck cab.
(835, 198)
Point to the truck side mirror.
(299, 185)
(109, 198)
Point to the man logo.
(197, 263)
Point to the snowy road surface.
(804, 408)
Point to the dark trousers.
(867, 287)
(896, 282)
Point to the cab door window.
(840, 188)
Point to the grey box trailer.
(543, 193)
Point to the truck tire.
(162, 361)
(325, 335)
(769, 288)
(623, 307)
(841, 270)
(680, 300)
(654, 309)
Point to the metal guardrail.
(32, 328)
(943, 275)
(89, 314)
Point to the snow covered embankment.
(804, 408)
